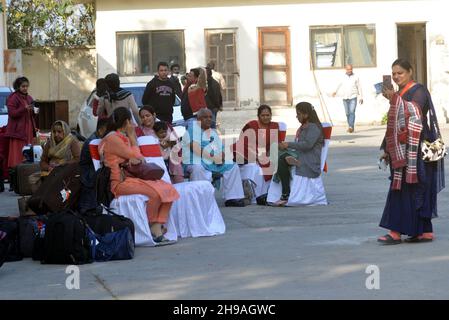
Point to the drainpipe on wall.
(4, 45)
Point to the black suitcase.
(21, 183)
(106, 223)
(48, 198)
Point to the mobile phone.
(386, 83)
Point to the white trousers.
(232, 182)
(303, 191)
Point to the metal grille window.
(138, 53)
(335, 46)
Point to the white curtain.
(129, 58)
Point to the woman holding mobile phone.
(412, 197)
(21, 128)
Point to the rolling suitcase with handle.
(22, 183)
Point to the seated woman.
(120, 146)
(303, 159)
(252, 149)
(148, 117)
(61, 148)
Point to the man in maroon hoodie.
(160, 94)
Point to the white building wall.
(299, 17)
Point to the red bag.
(143, 170)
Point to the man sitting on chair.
(203, 154)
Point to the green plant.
(47, 23)
(384, 118)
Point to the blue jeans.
(350, 105)
(214, 119)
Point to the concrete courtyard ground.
(270, 253)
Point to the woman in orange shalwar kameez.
(119, 146)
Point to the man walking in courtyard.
(351, 90)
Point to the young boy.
(167, 142)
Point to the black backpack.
(66, 239)
(30, 228)
(103, 186)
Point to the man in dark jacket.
(186, 110)
(160, 94)
(214, 99)
(174, 78)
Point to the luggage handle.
(111, 212)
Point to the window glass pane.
(229, 51)
(275, 77)
(275, 95)
(228, 38)
(167, 46)
(230, 95)
(273, 39)
(140, 53)
(274, 59)
(327, 48)
(360, 46)
(213, 53)
(214, 38)
(230, 81)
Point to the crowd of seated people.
(130, 136)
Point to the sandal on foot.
(280, 203)
(389, 240)
(417, 239)
(163, 241)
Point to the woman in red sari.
(252, 149)
(21, 127)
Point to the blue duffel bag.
(118, 245)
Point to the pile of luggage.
(51, 230)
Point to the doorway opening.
(412, 45)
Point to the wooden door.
(221, 49)
(274, 66)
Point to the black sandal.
(389, 240)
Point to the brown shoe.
(351, 130)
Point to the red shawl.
(254, 144)
(404, 128)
